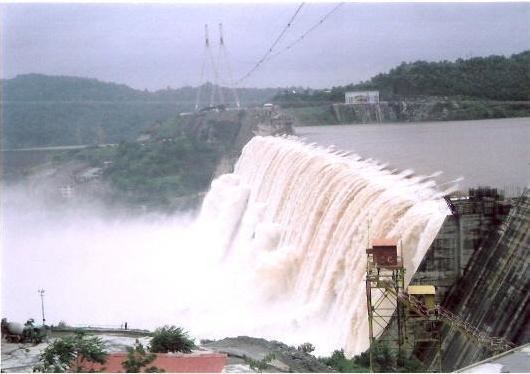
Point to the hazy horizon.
(154, 46)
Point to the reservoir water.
(483, 152)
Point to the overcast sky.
(155, 46)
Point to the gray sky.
(154, 46)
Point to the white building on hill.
(362, 97)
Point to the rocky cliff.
(234, 128)
(411, 110)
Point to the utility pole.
(221, 39)
(41, 293)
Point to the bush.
(69, 354)
(259, 365)
(138, 359)
(171, 339)
(306, 348)
(385, 361)
(340, 363)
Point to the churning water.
(278, 251)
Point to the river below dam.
(492, 152)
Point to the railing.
(494, 344)
(100, 328)
(451, 206)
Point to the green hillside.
(485, 78)
(40, 110)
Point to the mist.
(95, 268)
(100, 267)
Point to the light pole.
(41, 293)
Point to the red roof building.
(169, 362)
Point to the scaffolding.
(410, 320)
(394, 317)
(385, 280)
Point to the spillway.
(296, 220)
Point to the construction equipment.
(15, 332)
(387, 299)
(493, 344)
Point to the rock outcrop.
(286, 358)
(234, 128)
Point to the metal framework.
(399, 319)
(223, 56)
(383, 285)
(405, 321)
(424, 328)
(215, 66)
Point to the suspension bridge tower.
(224, 61)
(216, 69)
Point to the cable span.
(269, 51)
(308, 31)
(268, 55)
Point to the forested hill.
(41, 110)
(490, 78)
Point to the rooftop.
(516, 360)
(197, 362)
(384, 243)
(421, 290)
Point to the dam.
(317, 250)
(473, 217)
(311, 257)
(478, 265)
(288, 227)
(493, 293)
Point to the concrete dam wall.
(493, 293)
(393, 111)
(478, 263)
(422, 109)
(462, 234)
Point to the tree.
(171, 339)
(385, 361)
(70, 353)
(492, 77)
(306, 348)
(138, 358)
(259, 365)
(340, 363)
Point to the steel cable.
(269, 51)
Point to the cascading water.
(293, 222)
(277, 252)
